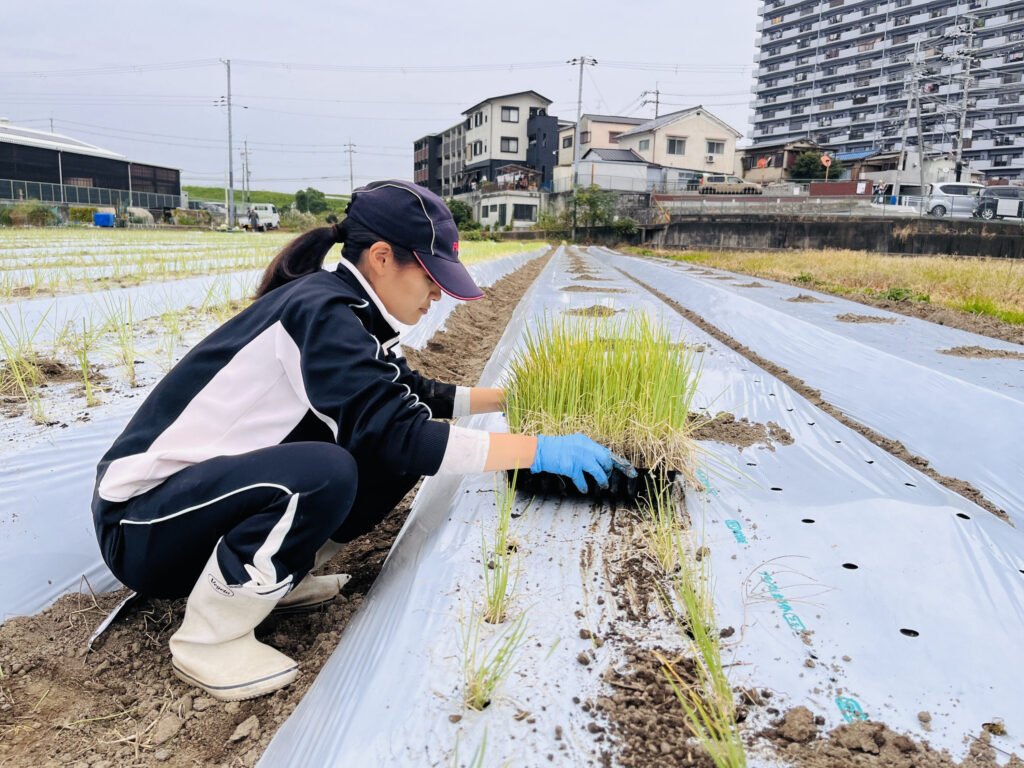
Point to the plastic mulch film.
(46, 486)
(962, 414)
(854, 585)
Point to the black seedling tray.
(621, 490)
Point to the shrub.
(81, 214)
(5, 217)
(33, 214)
(625, 226)
(297, 221)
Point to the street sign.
(826, 160)
(762, 163)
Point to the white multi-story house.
(596, 132)
(498, 133)
(837, 71)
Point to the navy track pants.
(267, 512)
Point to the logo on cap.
(455, 246)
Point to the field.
(834, 579)
(986, 287)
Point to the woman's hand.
(574, 455)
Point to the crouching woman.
(294, 428)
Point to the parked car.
(720, 184)
(997, 202)
(951, 199)
(267, 214)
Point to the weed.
(498, 561)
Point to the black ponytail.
(302, 256)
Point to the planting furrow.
(896, 375)
(823, 549)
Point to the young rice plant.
(623, 382)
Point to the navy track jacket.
(311, 360)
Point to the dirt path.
(120, 705)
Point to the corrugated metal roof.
(33, 138)
(615, 119)
(856, 155)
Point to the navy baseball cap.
(414, 218)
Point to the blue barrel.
(103, 219)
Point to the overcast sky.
(309, 77)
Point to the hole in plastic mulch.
(962, 515)
(851, 566)
(909, 632)
(621, 489)
(910, 485)
(775, 488)
(807, 520)
(870, 461)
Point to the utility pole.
(246, 185)
(51, 124)
(231, 159)
(656, 101)
(580, 61)
(965, 56)
(350, 148)
(920, 129)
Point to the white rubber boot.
(216, 649)
(314, 591)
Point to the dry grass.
(993, 287)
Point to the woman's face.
(405, 290)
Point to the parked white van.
(268, 217)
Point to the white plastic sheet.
(784, 529)
(47, 539)
(965, 415)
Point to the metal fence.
(24, 191)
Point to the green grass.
(484, 669)
(623, 382)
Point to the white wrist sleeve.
(466, 451)
(461, 407)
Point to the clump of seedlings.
(483, 669)
(707, 703)
(20, 373)
(625, 382)
(498, 557)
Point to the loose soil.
(866, 744)
(120, 704)
(805, 298)
(991, 354)
(592, 278)
(724, 428)
(590, 289)
(850, 317)
(894, 447)
(754, 284)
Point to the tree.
(809, 166)
(594, 206)
(461, 212)
(311, 200)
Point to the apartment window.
(835, 20)
(901, 21)
(478, 147)
(805, 43)
(832, 53)
(1009, 98)
(832, 37)
(772, 68)
(644, 145)
(716, 147)
(613, 137)
(1005, 119)
(805, 27)
(866, 45)
(803, 60)
(776, 20)
(862, 82)
(834, 3)
(807, 10)
(856, 134)
(478, 119)
(938, 13)
(1014, 56)
(509, 144)
(1000, 161)
(799, 77)
(867, 28)
(1016, 15)
(584, 138)
(524, 212)
(901, 38)
(510, 114)
(797, 110)
(860, 100)
(676, 146)
(826, 105)
(566, 142)
(867, 10)
(902, 3)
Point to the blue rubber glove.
(572, 455)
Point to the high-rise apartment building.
(840, 72)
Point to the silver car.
(953, 198)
